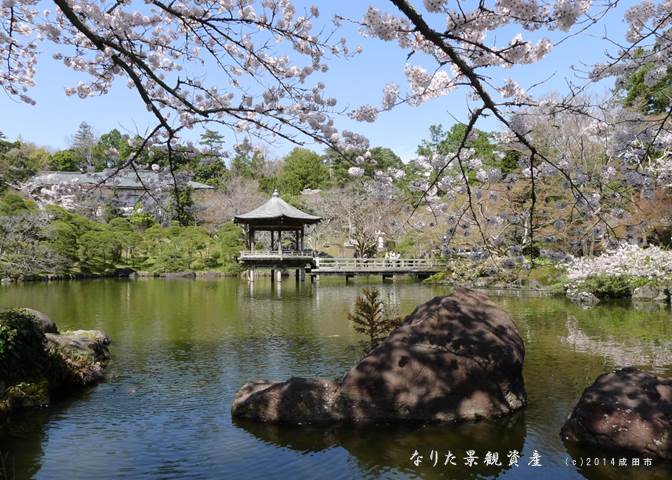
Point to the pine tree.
(213, 141)
(371, 317)
(83, 143)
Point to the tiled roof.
(123, 179)
(276, 207)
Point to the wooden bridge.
(306, 262)
(376, 266)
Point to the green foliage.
(19, 161)
(382, 158)
(231, 241)
(66, 161)
(83, 142)
(13, 204)
(546, 273)
(509, 163)
(649, 99)
(183, 207)
(371, 317)
(248, 165)
(79, 223)
(111, 147)
(99, 251)
(448, 142)
(62, 238)
(608, 286)
(302, 168)
(140, 219)
(171, 259)
(86, 246)
(22, 352)
(210, 170)
(212, 141)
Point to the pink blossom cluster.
(265, 53)
(649, 29)
(18, 47)
(470, 33)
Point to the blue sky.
(353, 82)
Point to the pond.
(182, 348)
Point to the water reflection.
(655, 355)
(394, 444)
(182, 349)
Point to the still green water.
(182, 348)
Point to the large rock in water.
(454, 358)
(624, 410)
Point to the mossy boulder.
(34, 364)
(22, 352)
(28, 394)
(46, 324)
(77, 358)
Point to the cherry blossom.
(631, 260)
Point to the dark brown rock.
(296, 401)
(624, 410)
(454, 358)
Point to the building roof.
(276, 209)
(122, 180)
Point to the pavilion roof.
(276, 209)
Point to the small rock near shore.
(171, 275)
(649, 293)
(583, 299)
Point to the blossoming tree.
(250, 66)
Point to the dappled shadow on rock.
(381, 446)
(454, 358)
(625, 411)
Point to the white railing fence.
(276, 254)
(377, 263)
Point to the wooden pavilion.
(277, 216)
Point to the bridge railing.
(363, 264)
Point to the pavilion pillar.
(250, 274)
(280, 242)
(296, 240)
(278, 275)
(252, 239)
